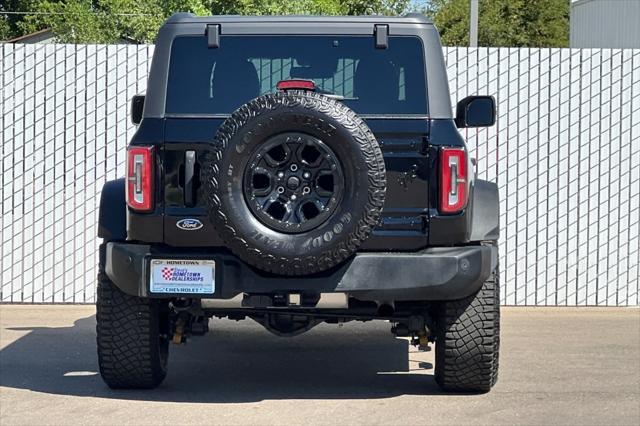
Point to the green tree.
(107, 21)
(376, 7)
(73, 21)
(9, 22)
(5, 28)
(513, 23)
(309, 7)
(271, 7)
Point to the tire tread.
(129, 349)
(468, 340)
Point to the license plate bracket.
(182, 276)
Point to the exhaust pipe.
(386, 309)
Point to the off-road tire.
(350, 225)
(468, 340)
(132, 347)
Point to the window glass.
(205, 80)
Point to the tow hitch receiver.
(186, 325)
(415, 327)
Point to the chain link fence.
(565, 153)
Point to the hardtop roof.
(189, 18)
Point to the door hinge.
(425, 223)
(213, 35)
(424, 146)
(381, 32)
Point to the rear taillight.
(140, 178)
(454, 185)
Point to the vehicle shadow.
(235, 362)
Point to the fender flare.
(112, 217)
(485, 212)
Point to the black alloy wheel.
(293, 182)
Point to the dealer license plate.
(182, 276)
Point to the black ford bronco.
(299, 170)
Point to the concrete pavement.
(558, 366)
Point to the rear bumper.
(438, 273)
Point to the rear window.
(205, 80)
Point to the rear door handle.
(189, 168)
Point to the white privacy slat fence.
(64, 130)
(566, 156)
(565, 153)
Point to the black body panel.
(404, 145)
(485, 217)
(404, 219)
(112, 219)
(410, 219)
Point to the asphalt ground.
(558, 366)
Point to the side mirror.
(137, 105)
(476, 111)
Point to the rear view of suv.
(294, 171)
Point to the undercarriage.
(190, 317)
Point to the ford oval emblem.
(189, 224)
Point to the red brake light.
(454, 185)
(299, 84)
(140, 178)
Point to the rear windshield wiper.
(337, 97)
(333, 96)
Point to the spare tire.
(295, 182)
